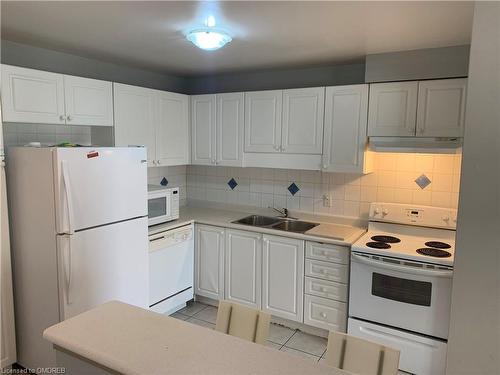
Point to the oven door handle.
(400, 268)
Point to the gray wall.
(59, 62)
(426, 63)
(473, 346)
(278, 79)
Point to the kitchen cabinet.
(155, 119)
(243, 267)
(345, 139)
(302, 130)
(283, 277)
(229, 129)
(35, 96)
(135, 109)
(172, 129)
(88, 101)
(217, 129)
(441, 108)
(203, 118)
(263, 110)
(433, 108)
(393, 109)
(209, 261)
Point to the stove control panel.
(413, 215)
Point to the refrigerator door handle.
(69, 200)
(66, 254)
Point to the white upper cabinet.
(243, 267)
(393, 109)
(441, 108)
(172, 130)
(283, 277)
(345, 140)
(303, 110)
(203, 118)
(34, 96)
(135, 109)
(88, 101)
(229, 130)
(263, 111)
(209, 262)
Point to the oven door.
(401, 294)
(159, 207)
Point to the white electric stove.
(401, 277)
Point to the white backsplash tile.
(393, 180)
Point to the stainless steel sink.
(294, 226)
(259, 221)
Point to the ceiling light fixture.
(209, 38)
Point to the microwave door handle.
(69, 198)
(401, 268)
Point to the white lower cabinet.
(283, 277)
(243, 267)
(209, 261)
(326, 286)
(325, 313)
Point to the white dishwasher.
(171, 269)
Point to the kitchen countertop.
(131, 340)
(326, 232)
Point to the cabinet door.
(203, 129)
(393, 109)
(88, 101)
(172, 129)
(243, 267)
(30, 95)
(303, 112)
(283, 277)
(441, 108)
(135, 118)
(345, 128)
(263, 121)
(230, 117)
(209, 262)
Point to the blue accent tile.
(232, 183)
(164, 182)
(293, 189)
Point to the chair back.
(361, 356)
(243, 322)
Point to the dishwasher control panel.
(170, 237)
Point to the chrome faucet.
(283, 212)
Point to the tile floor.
(280, 338)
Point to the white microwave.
(163, 204)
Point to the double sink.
(287, 225)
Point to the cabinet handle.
(323, 315)
(282, 148)
(277, 148)
(61, 117)
(158, 162)
(213, 161)
(68, 118)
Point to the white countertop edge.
(223, 218)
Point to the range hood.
(416, 144)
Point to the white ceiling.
(266, 34)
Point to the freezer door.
(102, 264)
(96, 186)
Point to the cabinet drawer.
(327, 271)
(329, 253)
(325, 313)
(326, 289)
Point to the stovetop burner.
(378, 245)
(438, 244)
(434, 252)
(386, 239)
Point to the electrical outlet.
(327, 200)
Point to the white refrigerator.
(79, 236)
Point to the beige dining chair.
(360, 356)
(243, 322)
